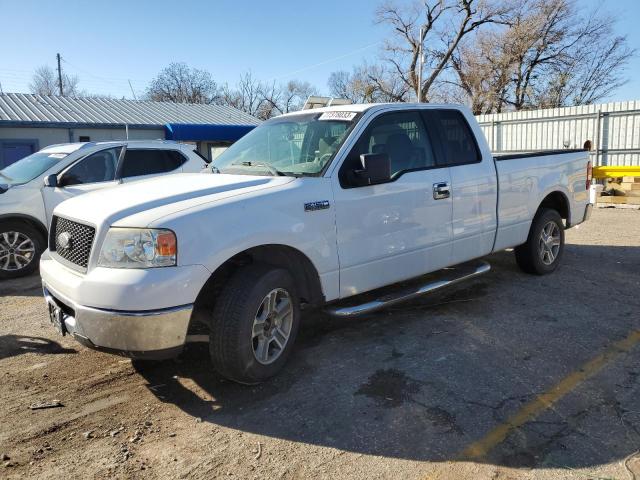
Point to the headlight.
(138, 248)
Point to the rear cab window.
(456, 143)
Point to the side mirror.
(376, 168)
(51, 181)
(3, 188)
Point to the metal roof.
(29, 108)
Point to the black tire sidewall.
(540, 221)
(244, 367)
(38, 242)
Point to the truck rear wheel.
(20, 248)
(254, 325)
(542, 252)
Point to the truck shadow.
(428, 379)
(14, 345)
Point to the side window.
(97, 167)
(400, 135)
(458, 143)
(149, 162)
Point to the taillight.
(589, 174)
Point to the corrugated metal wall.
(613, 128)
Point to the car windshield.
(291, 145)
(30, 167)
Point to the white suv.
(32, 187)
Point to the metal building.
(613, 130)
(31, 122)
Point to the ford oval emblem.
(64, 241)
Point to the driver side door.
(90, 173)
(399, 229)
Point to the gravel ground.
(507, 376)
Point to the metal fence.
(612, 128)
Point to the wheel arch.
(558, 201)
(34, 222)
(298, 264)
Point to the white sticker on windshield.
(57, 155)
(344, 116)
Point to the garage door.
(12, 151)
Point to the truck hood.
(147, 200)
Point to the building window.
(84, 138)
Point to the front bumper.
(151, 334)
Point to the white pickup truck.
(32, 187)
(310, 209)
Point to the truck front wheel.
(254, 325)
(543, 250)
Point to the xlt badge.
(313, 206)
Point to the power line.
(324, 62)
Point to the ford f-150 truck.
(310, 209)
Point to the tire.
(20, 248)
(537, 256)
(245, 319)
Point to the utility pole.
(420, 65)
(59, 75)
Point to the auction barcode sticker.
(345, 116)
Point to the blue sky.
(108, 43)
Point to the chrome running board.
(442, 278)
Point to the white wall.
(49, 136)
(613, 128)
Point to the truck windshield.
(292, 145)
(30, 167)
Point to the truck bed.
(525, 179)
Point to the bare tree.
(45, 82)
(289, 97)
(368, 84)
(484, 70)
(562, 57)
(294, 94)
(246, 96)
(548, 55)
(183, 84)
(265, 100)
(439, 25)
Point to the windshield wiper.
(4, 176)
(274, 171)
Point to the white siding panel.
(613, 128)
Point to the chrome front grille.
(72, 241)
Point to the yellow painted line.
(615, 172)
(542, 402)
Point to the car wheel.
(20, 248)
(542, 252)
(254, 325)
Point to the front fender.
(211, 234)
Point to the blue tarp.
(206, 132)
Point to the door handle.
(441, 190)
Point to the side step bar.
(443, 278)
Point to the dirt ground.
(507, 376)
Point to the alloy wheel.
(272, 326)
(17, 251)
(549, 244)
